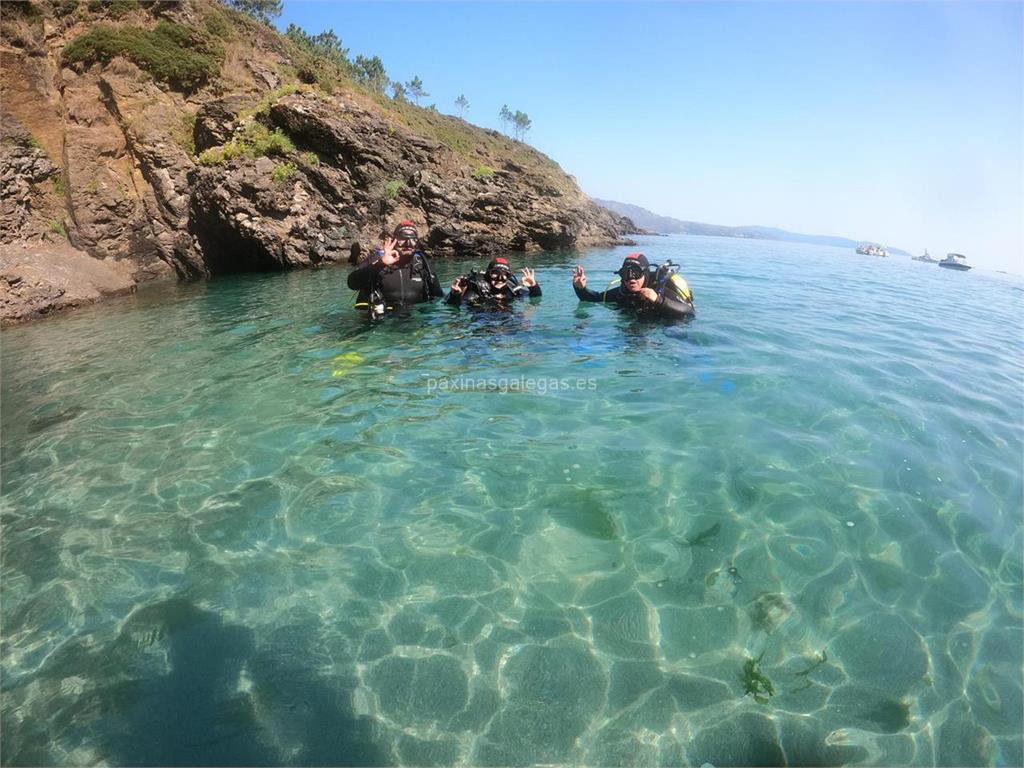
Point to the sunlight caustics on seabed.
(241, 526)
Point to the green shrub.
(25, 10)
(65, 7)
(57, 228)
(114, 8)
(58, 184)
(283, 171)
(483, 172)
(212, 156)
(118, 8)
(170, 52)
(217, 23)
(270, 98)
(266, 142)
(392, 188)
(311, 158)
(254, 140)
(309, 70)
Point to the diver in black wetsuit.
(638, 291)
(495, 289)
(396, 276)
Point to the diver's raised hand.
(649, 293)
(390, 251)
(458, 284)
(579, 277)
(528, 278)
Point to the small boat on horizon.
(872, 249)
(925, 257)
(955, 261)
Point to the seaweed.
(804, 673)
(814, 666)
(755, 683)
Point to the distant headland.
(667, 225)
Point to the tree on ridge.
(264, 10)
(522, 123)
(415, 87)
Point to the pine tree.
(415, 87)
(522, 124)
(462, 103)
(370, 72)
(506, 117)
(264, 10)
(326, 45)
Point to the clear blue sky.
(895, 122)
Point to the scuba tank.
(478, 279)
(668, 280)
(663, 278)
(430, 278)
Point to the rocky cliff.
(181, 139)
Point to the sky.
(899, 123)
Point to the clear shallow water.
(239, 527)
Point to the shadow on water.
(178, 686)
(44, 422)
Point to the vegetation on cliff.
(188, 138)
(264, 10)
(171, 52)
(254, 140)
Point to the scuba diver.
(495, 289)
(648, 292)
(397, 275)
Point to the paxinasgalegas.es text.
(505, 384)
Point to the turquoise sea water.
(241, 527)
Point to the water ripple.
(242, 526)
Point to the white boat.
(955, 261)
(872, 249)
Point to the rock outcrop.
(37, 280)
(247, 170)
(24, 167)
